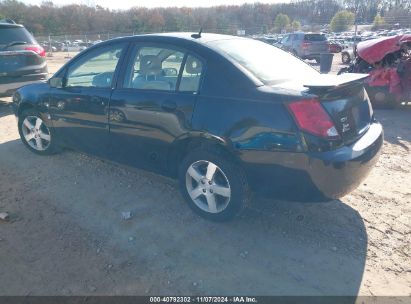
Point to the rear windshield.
(314, 37)
(266, 62)
(11, 34)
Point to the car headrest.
(150, 65)
(193, 65)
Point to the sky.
(126, 4)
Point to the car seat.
(149, 77)
(193, 68)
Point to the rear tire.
(35, 134)
(214, 186)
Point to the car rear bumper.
(311, 54)
(314, 176)
(10, 84)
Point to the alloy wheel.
(208, 186)
(36, 133)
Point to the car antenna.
(196, 36)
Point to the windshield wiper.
(14, 43)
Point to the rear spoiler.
(327, 81)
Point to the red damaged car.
(387, 60)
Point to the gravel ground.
(66, 235)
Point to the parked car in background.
(85, 44)
(269, 40)
(353, 40)
(306, 45)
(56, 46)
(387, 60)
(335, 47)
(165, 103)
(47, 48)
(73, 47)
(347, 55)
(22, 59)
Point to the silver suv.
(306, 46)
(22, 59)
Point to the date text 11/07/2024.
(200, 299)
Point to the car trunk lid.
(15, 62)
(346, 101)
(20, 54)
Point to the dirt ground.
(67, 236)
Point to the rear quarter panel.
(244, 113)
(260, 135)
(246, 124)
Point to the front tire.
(213, 186)
(35, 134)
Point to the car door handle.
(169, 105)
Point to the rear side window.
(266, 62)
(190, 80)
(154, 68)
(314, 37)
(11, 34)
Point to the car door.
(153, 104)
(79, 108)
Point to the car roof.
(9, 25)
(178, 37)
(181, 39)
(204, 37)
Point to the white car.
(73, 48)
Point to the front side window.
(154, 68)
(96, 69)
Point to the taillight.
(37, 49)
(306, 44)
(312, 118)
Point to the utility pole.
(356, 9)
(50, 53)
(67, 46)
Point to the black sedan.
(225, 115)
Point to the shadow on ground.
(5, 108)
(69, 235)
(396, 124)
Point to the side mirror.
(56, 82)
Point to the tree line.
(48, 18)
